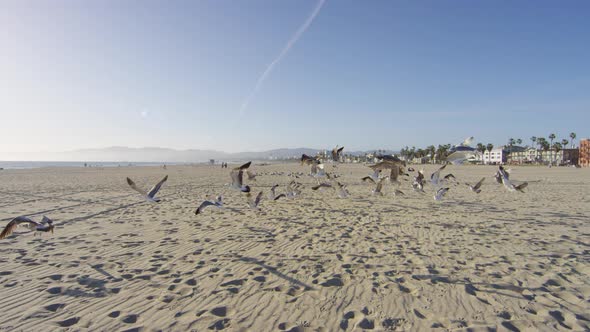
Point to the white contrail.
(286, 49)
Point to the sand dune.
(497, 260)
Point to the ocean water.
(40, 164)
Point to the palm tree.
(533, 141)
(573, 137)
(519, 141)
(430, 150)
(564, 143)
(489, 147)
(551, 138)
(481, 148)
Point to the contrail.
(285, 50)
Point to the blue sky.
(378, 74)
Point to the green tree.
(489, 147)
(573, 137)
(519, 141)
(533, 141)
(564, 143)
(551, 138)
(481, 148)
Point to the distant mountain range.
(154, 154)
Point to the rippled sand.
(501, 260)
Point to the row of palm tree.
(541, 143)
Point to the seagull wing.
(368, 179)
(236, 178)
(204, 205)
(478, 185)
(280, 196)
(134, 186)
(157, 187)
(16, 222)
(521, 186)
(243, 167)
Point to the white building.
(496, 156)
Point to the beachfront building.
(584, 152)
(561, 157)
(497, 156)
(522, 155)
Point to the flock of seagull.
(397, 168)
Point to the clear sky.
(257, 75)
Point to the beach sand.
(498, 260)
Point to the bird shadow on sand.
(274, 271)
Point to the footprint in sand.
(54, 307)
(69, 322)
(130, 319)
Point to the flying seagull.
(254, 202)
(440, 193)
(321, 185)
(434, 177)
(450, 176)
(307, 160)
(243, 167)
(217, 203)
(237, 178)
(46, 225)
(509, 185)
(476, 188)
(337, 153)
(342, 191)
(150, 195)
(273, 193)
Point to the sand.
(497, 260)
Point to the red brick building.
(585, 152)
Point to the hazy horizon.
(257, 76)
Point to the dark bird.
(46, 225)
(476, 188)
(337, 153)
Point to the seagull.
(254, 202)
(418, 183)
(434, 177)
(317, 170)
(305, 159)
(337, 153)
(293, 190)
(237, 177)
(150, 195)
(322, 185)
(218, 203)
(342, 191)
(476, 188)
(243, 167)
(273, 193)
(377, 190)
(46, 225)
(440, 193)
(450, 176)
(509, 185)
